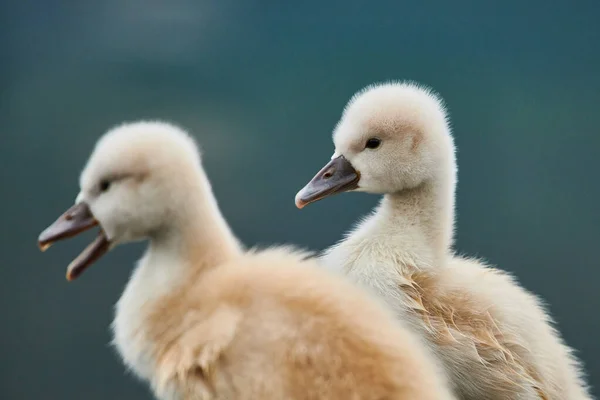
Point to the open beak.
(75, 220)
(336, 177)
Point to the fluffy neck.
(198, 237)
(413, 227)
(424, 214)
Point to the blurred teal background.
(261, 85)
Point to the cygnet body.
(202, 319)
(494, 338)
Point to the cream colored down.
(494, 338)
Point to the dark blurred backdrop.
(261, 85)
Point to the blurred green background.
(261, 85)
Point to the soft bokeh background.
(261, 85)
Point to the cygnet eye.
(372, 143)
(104, 185)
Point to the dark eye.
(372, 143)
(104, 185)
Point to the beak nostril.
(328, 174)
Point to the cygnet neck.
(424, 213)
(198, 236)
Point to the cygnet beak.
(75, 220)
(336, 177)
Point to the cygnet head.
(391, 137)
(133, 186)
